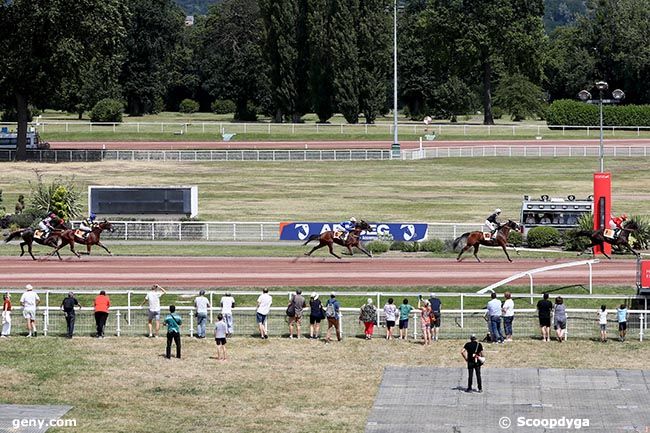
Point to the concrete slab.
(16, 418)
(422, 400)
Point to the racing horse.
(72, 236)
(29, 237)
(353, 239)
(476, 239)
(598, 238)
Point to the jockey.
(87, 224)
(48, 223)
(492, 222)
(347, 227)
(616, 223)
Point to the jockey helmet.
(92, 216)
(497, 210)
(353, 220)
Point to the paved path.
(15, 418)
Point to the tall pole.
(395, 139)
(602, 148)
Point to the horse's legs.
(29, 249)
(361, 247)
(331, 247)
(101, 245)
(465, 248)
(476, 252)
(72, 249)
(320, 245)
(506, 252)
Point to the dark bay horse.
(328, 239)
(475, 239)
(28, 237)
(71, 236)
(598, 237)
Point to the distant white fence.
(236, 231)
(510, 151)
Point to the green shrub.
(497, 112)
(576, 113)
(515, 238)
(397, 246)
(377, 247)
(29, 217)
(188, 106)
(432, 246)
(541, 237)
(223, 106)
(573, 242)
(107, 110)
(407, 247)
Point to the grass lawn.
(277, 385)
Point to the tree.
(518, 96)
(45, 43)
(320, 69)
(154, 33)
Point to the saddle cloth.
(39, 234)
(487, 236)
(609, 233)
(80, 234)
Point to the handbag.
(291, 310)
(480, 360)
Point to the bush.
(573, 242)
(515, 238)
(188, 106)
(223, 106)
(406, 247)
(377, 247)
(107, 110)
(575, 113)
(432, 246)
(541, 237)
(29, 217)
(497, 113)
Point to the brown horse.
(70, 237)
(28, 236)
(353, 240)
(598, 237)
(475, 239)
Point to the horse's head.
(362, 225)
(631, 226)
(105, 225)
(512, 225)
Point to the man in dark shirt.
(436, 304)
(471, 351)
(544, 308)
(67, 306)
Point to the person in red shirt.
(616, 223)
(102, 304)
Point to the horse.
(353, 240)
(28, 236)
(71, 236)
(598, 237)
(475, 239)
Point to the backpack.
(330, 311)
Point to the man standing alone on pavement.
(472, 351)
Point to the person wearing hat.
(316, 314)
(492, 222)
(30, 300)
(202, 304)
(67, 306)
(347, 227)
(472, 350)
(227, 304)
(368, 315)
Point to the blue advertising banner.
(409, 232)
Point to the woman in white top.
(390, 310)
(508, 314)
(602, 321)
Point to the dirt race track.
(192, 272)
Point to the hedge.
(541, 237)
(188, 106)
(377, 247)
(576, 113)
(107, 110)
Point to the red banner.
(645, 273)
(602, 205)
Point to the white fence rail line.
(529, 151)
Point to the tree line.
(285, 58)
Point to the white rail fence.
(128, 318)
(530, 151)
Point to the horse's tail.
(460, 239)
(311, 238)
(12, 235)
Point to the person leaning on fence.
(153, 297)
(544, 308)
(436, 317)
(559, 319)
(227, 304)
(391, 313)
(425, 318)
(298, 302)
(316, 314)
(471, 353)
(173, 323)
(30, 300)
(508, 313)
(67, 306)
(404, 313)
(202, 304)
(621, 315)
(264, 302)
(102, 304)
(602, 322)
(6, 315)
(368, 316)
(333, 314)
(494, 316)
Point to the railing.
(234, 231)
(131, 319)
(530, 151)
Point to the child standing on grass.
(621, 313)
(602, 321)
(220, 331)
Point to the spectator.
(264, 302)
(494, 316)
(202, 304)
(436, 305)
(390, 311)
(368, 316)
(571, 219)
(602, 321)
(621, 314)
(298, 304)
(545, 219)
(30, 300)
(404, 312)
(173, 323)
(530, 219)
(471, 351)
(544, 308)
(220, 332)
(559, 319)
(556, 219)
(6, 315)
(425, 316)
(67, 306)
(102, 304)
(227, 304)
(153, 297)
(508, 310)
(316, 314)
(333, 314)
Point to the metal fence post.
(462, 311)
(118, 330)
(211, 308)
(128, 311)
(641, 322)
(191, 322)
